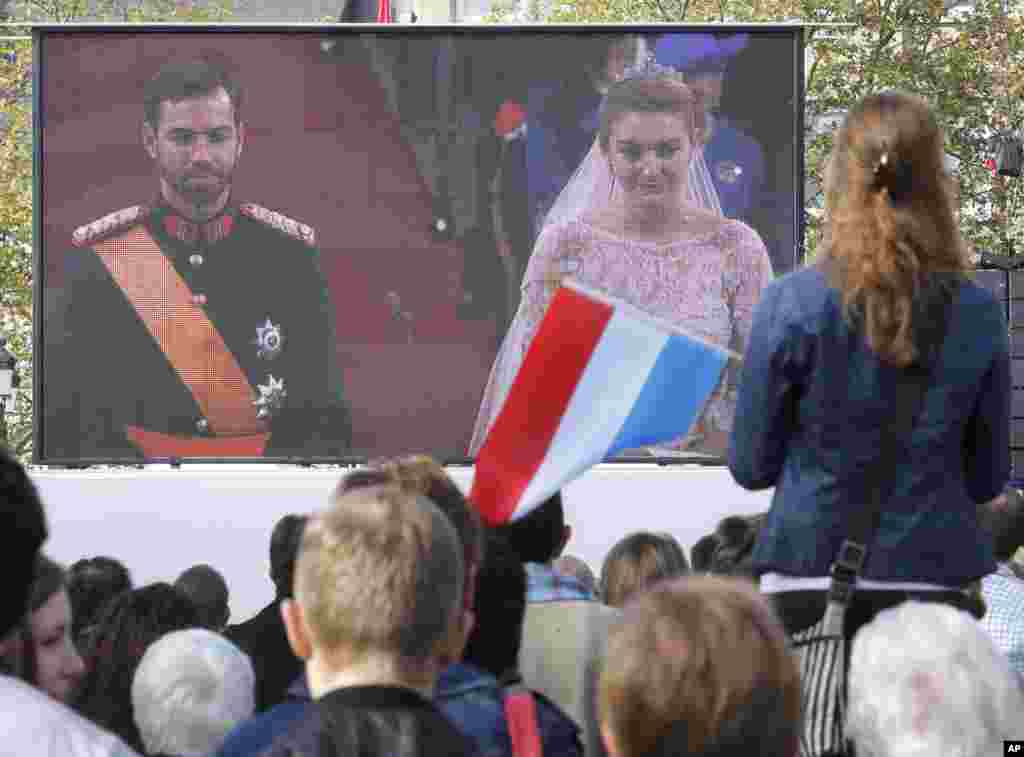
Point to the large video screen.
(334, 244)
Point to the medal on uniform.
(272, 395)
(268, 341)
(728, 172)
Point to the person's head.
(209, 593)
(284, 549)
(649, 126)
(699, 666)
(190, 690)
(735, 537)
(638, 561)
(193, 131)
(129, 624)
(378, 589)
(423, 475)
(500, 608)
(574, 567)
(605, 58)
(890, 220)
(1003, 518)
(924, 679)
(702, 554)
(92, 582)
(541, 534)
(52, 661)
(702, 59)
(23, 529)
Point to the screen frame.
(41, 31)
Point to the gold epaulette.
(282, 223)
(103, 227)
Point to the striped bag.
(822, 660)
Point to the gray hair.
(190, 690)
(926, 679)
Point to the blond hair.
(380, 571)
(699, 665)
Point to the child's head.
(378, 575)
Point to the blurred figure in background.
(130, 623)
(263, 636)
(92, 582)
(638, 561)
(209, 593)
(32, 722)
(575, 567)
(1003, 590)
(52, 661)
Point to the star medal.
(271, 397)
(728, 172)
(268, 341)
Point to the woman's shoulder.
(738, 237)
(979, 301)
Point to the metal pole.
(3, 421)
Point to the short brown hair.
(381, 570)
(700, 666)
(638, 561)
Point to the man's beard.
(201, 194)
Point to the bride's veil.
(590, 187)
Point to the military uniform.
(175, 339)
(562, 124)
(737, 166)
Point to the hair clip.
(883, 162)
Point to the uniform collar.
(189, 232)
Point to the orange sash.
(193, 347)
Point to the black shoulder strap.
(907, 404)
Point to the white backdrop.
(160, 521)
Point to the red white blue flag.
(599, 377)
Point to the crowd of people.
(403, 625)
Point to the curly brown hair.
(891, 224)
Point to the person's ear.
(149, 139)
(452, 646)
(241, 139)
(566, 536)
(296, 628)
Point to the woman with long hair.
(52, 662)
(128, 625)
(640, 221)
(889, 299)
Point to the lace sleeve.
(552, 259)
(555, 256)
(747, 270)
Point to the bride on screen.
(640, 220)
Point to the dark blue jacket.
(256, 734)
(813, 404)
(475, 701)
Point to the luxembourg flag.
(599, 377)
